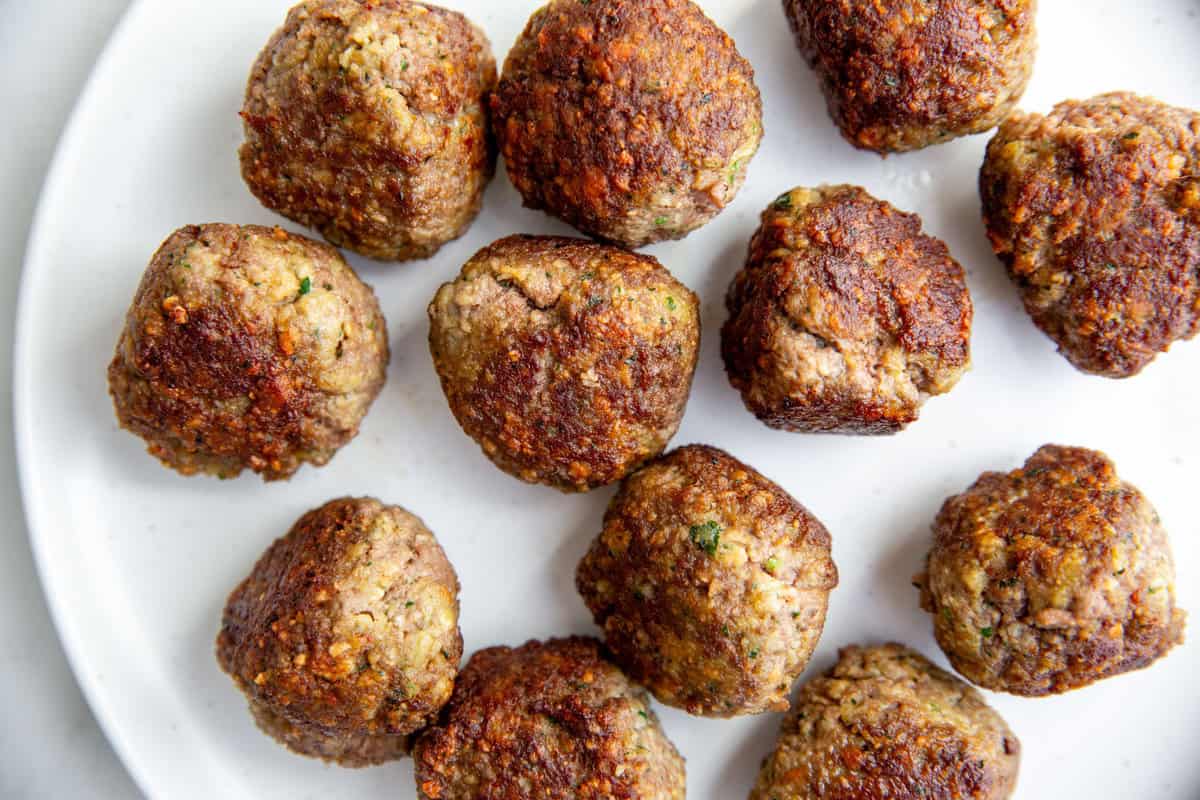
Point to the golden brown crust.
(906, 74)
(366, 121)
(711, 583)
(247, 347)
(548, 719)
(1095, 211)
(345, 636)
(886, 724)
(1051, 577)
(633, 120)
(846, 316)
(570, 362)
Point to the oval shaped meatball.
(911, 73)
(633, 120)
(846, 317)
(886, 723)
(711, 583)
(547, 719)
(1051, 577)
(366, 121)
(345, 636)
(1095, 211)
(247, 347)
(568, 361)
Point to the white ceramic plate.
(137, 561)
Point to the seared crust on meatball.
(345, 635)
(1095, 211)
(569, 362)
(886, 724)
(711, 583)
(1051, 577)
(548, 719)
(633, 120)
(907, 74)
(846, 316)
(247, 347)
(367, 122)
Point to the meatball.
(1095, 211)
(1051, 577)
(886, 723)
(366, 121)
(711, 583)
(633, 120)
(846, 316)
(547, 720)
(247, 347)
(568, 361)
(907, 74)
(345, 635)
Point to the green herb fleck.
(706, 98)
(1131, 135)
(643, 715)
(707, 536)
(795, 615)
(1153, 589)
(733, 171)
(753, 652)
(403, 66)
(1119, 572)
(987, 632)
(670, 303)
(660, 221)
(305, 286)
(784, 201)
(772, 564)
(410, 604)
(892, 80)
(1110, 266)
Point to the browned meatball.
(885, 724)
(366, 121)
(547, 720)
(247, 347)
(711, 583)
(906, 74)
(1051, 577)
(633, 120)
(1095, 210)
(345, 635)
(568, 361)
(846, 316)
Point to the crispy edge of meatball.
(1015, 548)
(907, 77)
(884, 722)
(696, 552)
(544, 720)
(657, 132)
(1094, 209)
(387, 157)
(309, 635)
(216, 387)
(821, 266)
(569, 362)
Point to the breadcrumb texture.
(1051, 577)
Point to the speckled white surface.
(138, 560)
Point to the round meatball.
(633, 120)
(247, 347)
(846, 316)
(366, 121)
(1051, 577)
(547, 720)
(345, 635)
(886, 723)
(1095, 211)
(907, 74)
(711, 583)
(568, 361)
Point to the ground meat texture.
(711, 583)
(1095, 211)
(846, 316)
(568, 361)
(633, 120)
(366, 121)
(247, 347)
(907, 74)
(886, 724)
(1051, 577)
(345, 635)
(546, 720)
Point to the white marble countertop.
(50, 744)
